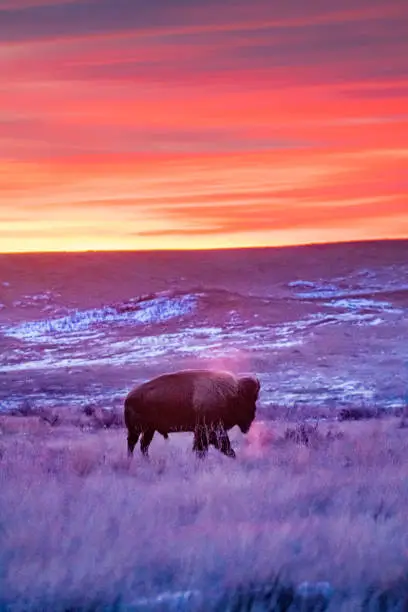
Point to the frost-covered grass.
(143, 311)
(80, 526)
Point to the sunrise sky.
(128, 124)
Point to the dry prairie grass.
(82, 528)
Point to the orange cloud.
(232, 128)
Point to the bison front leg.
(200, 445)
(221, 441)
(145, 441)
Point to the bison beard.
(206, 402)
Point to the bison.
(206, 402)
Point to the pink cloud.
(217, 122)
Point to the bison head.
(248, 391)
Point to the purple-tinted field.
(81, 526)
(324, 328)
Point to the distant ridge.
(369, 241)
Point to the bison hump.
(213, 393)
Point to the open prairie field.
(312, 516)
(303, 519)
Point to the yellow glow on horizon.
(83, 243)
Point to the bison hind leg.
(133, 437)
(147, 437)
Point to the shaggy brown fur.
(206, 402)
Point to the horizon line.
(208, 249)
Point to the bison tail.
(131, 413)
